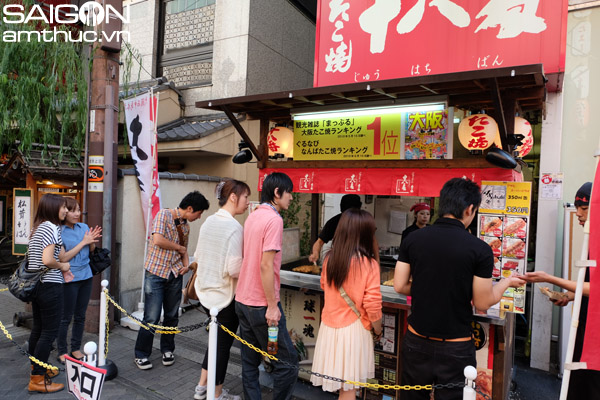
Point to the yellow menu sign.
(511, 198)
(375, 136)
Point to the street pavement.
(160, 382)
(178, 381)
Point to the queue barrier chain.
(25, 353)
(176, 330)
(360, 384)
(172, 330)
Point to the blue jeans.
(159, 293)
(47, 309)
(77, 296)
(426, 362)
(253, 329)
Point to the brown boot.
(43, 384)
(51, 373)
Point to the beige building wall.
(131, 230)
(569, 142)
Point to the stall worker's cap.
(582, 198)
(420, 206)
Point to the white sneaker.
(225, 395)
(200, 392)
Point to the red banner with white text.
(422, 182)
(370, 40)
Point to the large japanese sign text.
(366, 40)
(418, 132)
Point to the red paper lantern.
(281, 140)
(522, 127)
(477, 132)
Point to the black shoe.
(143, 363)
(168, 358)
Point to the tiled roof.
(192, 128)
(179, 176)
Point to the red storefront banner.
(366, 40)
(591, 342)
(424, 182)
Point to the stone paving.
(178, 381)
(160, 382)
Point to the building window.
(177, 6)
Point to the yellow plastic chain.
(362, 384)
(4, 290)
(32, 358)
(107, 326)
(159, 329)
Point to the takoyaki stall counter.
(401, 134)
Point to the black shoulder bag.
(23, 283)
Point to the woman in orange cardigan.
(344, 346)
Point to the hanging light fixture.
(244, 154)
(523, 127)
(477, 132)
(280, 140)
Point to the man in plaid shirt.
(166, 263)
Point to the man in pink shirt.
(257, 295)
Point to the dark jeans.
(77, 296)
(159, 294)
(47, 309)
(253, 328)
(427, 362)
(229, 319)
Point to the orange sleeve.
(372, 297)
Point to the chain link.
(25, 353)
(361, 384)
(479, 392)
(172, 330)
(107, 326)
(4, 289)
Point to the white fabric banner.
(140, 116)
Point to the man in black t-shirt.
(348, 201)
(445, 268)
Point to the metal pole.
(109, 173)
(212, 354)
(469, 392)
(102, 327)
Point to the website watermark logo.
(49, 22)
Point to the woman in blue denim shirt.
(79, 240)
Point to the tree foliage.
(41, 81)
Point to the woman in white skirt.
(344, 346)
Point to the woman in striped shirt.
(45, 246)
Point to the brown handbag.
(189, 292)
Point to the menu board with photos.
(504, 226)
